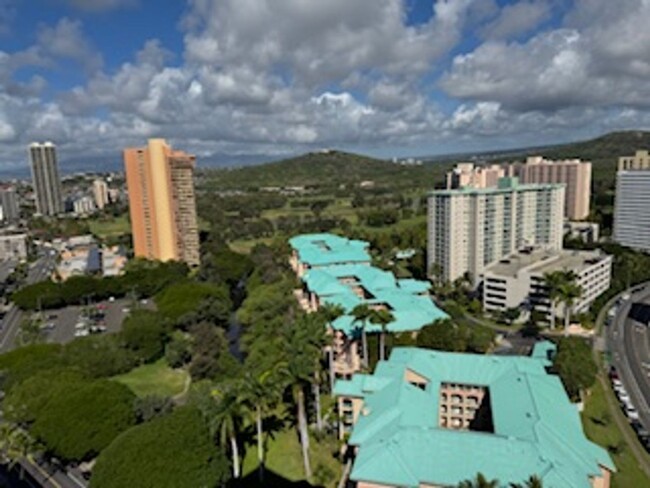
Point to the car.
(625, 297)
(111, 299)
(126, 310)
(81, 333)
(48, 326)
(80, 325)
(632, 413)
(623, 396)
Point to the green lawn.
(283, 457)
(155, 379)
(104, 227)
(601, 428)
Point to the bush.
(174, 451)
(81, 420)
(144, 333)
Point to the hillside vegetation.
(325, 170)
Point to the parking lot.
(63, 323)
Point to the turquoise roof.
(545, 351)
(327, 249)
(536, 429)
(407, 299)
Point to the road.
(10, 325)
(6, 268)
(629, 344)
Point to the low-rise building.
(428, 419)
(81, 255)
(587, 232)
(311, 251)
(358, 283)
(518, 280)
(13, 246)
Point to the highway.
(10, 325)
(629, 344)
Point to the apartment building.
(518, 280)
(469, 228)
(640, 160)
(162, 202)
(468, 174)
(100, 193)
(45, 178)
(575, 174)
(83, 206)
(340, 280)
(631, 209)
(9, 205)
(428, 419)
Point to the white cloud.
(67, 40)
(517, 19)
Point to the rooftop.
(328, 249)
(540, 261)
(351, 285)
(505, 185)
(536, 429)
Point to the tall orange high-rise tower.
(162, 203)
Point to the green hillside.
(327, 170)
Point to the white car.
(624, 397)
(631, 413)
(81, 333)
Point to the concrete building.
(467, 174)
(162, 203)
(13, 246)
(641, 160)
(81, 255)
(469, 229)
(587, 232)
(83, 206)
(100, 193)
(45, 178)
(428, 419)
(9, 204)
(337, 271)
(573, 173)
(632, 209)
(517, 281)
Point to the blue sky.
(248, 80)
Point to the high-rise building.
(469, 229)
(467, 174)
(162, 203)
(574, 173)
(100, 192)
(45, 178)
(83, 206)
(9, 204)
(631, 209)
(641, 160)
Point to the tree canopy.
(81, 420)
(205, 301)
(575, 364)
(174, 451)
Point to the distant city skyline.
(234, 84)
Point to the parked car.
(81, 333)
(631, 413)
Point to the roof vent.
(366, 411)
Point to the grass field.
(284, 458)
(109, 227)
(601, 428)
(155, 379)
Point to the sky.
(247, 80)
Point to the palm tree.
(554, 282)
(362, 314)
(329, 314)
(260, 388)
(300, 355)
(479, 482)
(227, 419)
(569, 292)
(533, 482)
(382, 318)
(16, 445)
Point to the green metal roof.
(411, 308)
(536, 429)
(328, 249)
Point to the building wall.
(9, 204)
(100, 192)
(574, 173)
(641, 160)
(45, 178)
(466, 174)
(469, 230)
(162, 203)
(631, 215)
